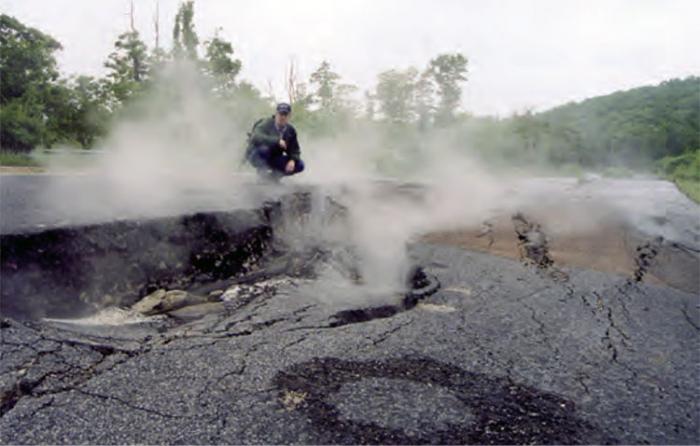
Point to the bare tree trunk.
(294, 86)
(156, 25)
(134, 61)
(131, 16)
(270, 89)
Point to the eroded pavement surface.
(497, 350)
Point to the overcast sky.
(521, 53)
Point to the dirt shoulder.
(601, 244)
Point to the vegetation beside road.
(15, 159)
(684, 171)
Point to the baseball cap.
(284, 108)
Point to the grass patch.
(689, 187)
(16, 159)
(684, 171)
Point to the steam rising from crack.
(171, 151)
(179, 150)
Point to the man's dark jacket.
(265, 133)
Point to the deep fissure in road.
(69, 272)
(74, 271)
(532, 241)
(420, 285)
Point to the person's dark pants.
(264, 158)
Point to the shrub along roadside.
(15, 159)
(684, 171)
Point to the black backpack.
(249, 147)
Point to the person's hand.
(283, 144)
(289, 168)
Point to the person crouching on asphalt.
(273, 147)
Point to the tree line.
(410, 108)
(41, 108)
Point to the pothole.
(398, 404)
(421, 285)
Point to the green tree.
(26, 58)
(395, 95)
(633, 127)
(448, 71)
(424, 101)
(185, 38)
(127, 65)
(86, 116)
(530, 129)
(332, 96)
(29, 79)
(326, 82)
(157, 59)
(220, 63)
(22, 126)
(344, 104)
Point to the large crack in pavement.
(533, 241)
(480, 349)
(644, 256)
(533, 246)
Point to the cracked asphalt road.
(522, 358)
(505, 351)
